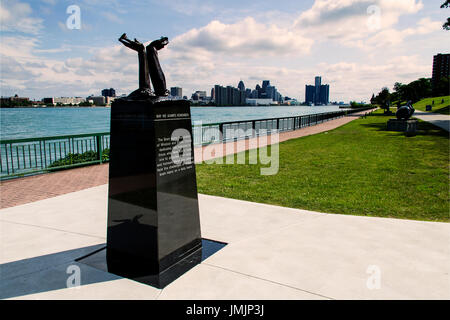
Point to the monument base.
(98, 260)
(407, 126)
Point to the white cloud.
(17, 46)
(15, 16)
(392, 36)
(353, 22)
(424, 26)
(246, 37)
(345, 15)
(59, 68)
(364, 78)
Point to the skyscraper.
(265, 84)
(241, 86)
(318, 83)
(324, 94)
(310, 93)
(220, 95)
(270, 92)
(259, 90)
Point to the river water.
(18, 123)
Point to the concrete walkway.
(33, 188)
(272, 253)
(439, 120)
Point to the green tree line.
(413, 91)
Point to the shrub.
(74, 158)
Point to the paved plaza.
(272, 253)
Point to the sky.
(356, 46)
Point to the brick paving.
(42, 186)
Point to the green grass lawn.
(358, 169)
(438, 107)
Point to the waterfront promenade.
(271, 253)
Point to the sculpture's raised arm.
(144, 80)
(156, 74)
(160, 43)
(135, 45)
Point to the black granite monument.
(153, 233)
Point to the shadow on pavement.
(49, 272)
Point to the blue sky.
(357, 46)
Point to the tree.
(442, 87)
(399, 92)
(419, 89)
(383, 99)
(446, 25)
(414, 91)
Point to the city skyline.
(363, 45)
(318, 94)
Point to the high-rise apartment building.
(441, 68)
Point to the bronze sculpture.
(405, 112)
(149, 68)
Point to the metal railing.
(21, 157)
(27, 156)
